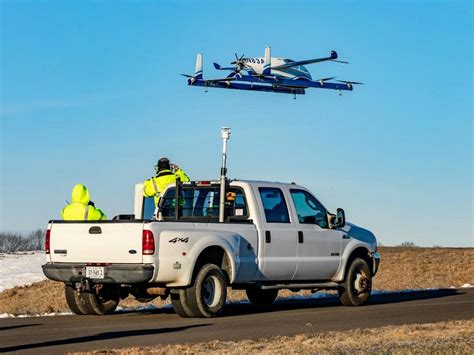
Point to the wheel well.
(217, 256)
(361, 253)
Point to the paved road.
(240, 321)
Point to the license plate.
(95, 272)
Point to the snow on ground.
(7, 315)
(463, 286)
(21, 268)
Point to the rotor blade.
(350, 82)
(326, 79)
(186, 75)
(339, 61)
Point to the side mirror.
(340, 218)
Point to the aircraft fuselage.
(256, 65)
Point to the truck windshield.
(199, 202)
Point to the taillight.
(148, 243)
(47, 240)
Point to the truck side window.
(308, 208)
(240, 204)
(274, 205)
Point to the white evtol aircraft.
(270, 74)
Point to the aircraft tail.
(198, 71)
(267, 62)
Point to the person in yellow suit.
(166, 174)
(81, 208)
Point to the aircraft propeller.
(321, 81)
(350, 82)
(239, 63)
(191, 78)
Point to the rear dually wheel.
(206, 296)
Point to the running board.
(301, 286)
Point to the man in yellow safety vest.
(166, 174)
(81, 208)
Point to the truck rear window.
(274, 205)
(198, 202)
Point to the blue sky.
(90, 93)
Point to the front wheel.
(356, 288)
(206, 297)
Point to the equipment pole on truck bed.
(225, 135)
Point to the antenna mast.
(225, 135)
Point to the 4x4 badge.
(174, 240)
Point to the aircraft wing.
(308, 61)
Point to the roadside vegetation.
(14, 242)
(454, 337)
(401, 268)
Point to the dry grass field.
(455, 337)
(401, 268)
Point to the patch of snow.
(21, 268)
(467, 286)
(409, 290)
(244, 301)
(144, 308)
(7, 315)
(316, 295)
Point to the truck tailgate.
(96, 242)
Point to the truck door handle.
(268, 237)
(95, 230)
(300, 237)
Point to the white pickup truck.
(274, 236)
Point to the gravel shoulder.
(454, 337)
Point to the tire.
(102, 304)
(356, 288)
(260, 297)
(75, 301)
(206, 297)
(179, 303)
